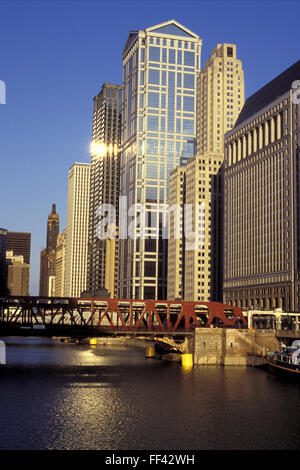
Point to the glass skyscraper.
(160, 69)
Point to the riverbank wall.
(224, 346)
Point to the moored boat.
(286, 361)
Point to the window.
(153, 123)
(229, 52)
(188, 103)
(151, 194)
(188, 126)
(154, 54)
(172, 56)
(153, 76)
(189, 58)
(153, 100)
(188, 81)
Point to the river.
(66, 396)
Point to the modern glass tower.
(160, 69)
(104, 188)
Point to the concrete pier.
(224, 346)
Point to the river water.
(65, 396)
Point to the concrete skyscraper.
(20, 244)
(17, 274)
(160, 69)
(3, 266)
(60, 264)
(220, 96)
(77, 230)
(104, 188)
(47, 258)
(262, 199)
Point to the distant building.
(20, 244)
(60, 264)
(3, 266)
(43, 288)
(17, 274)
(262, 199)
(48, 256)
(77, 230)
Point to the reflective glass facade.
(160, 68)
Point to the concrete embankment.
(224, 346)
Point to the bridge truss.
(97, 317)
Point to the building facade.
(220, 97)
(47, 258)
(60, 264)
(104, 189)
(176, 244)
(203, 249)
(160, 68)
(17, 274)
(19, 243)
(262, 197)
(3, 266)
(77, 230)
(194, 255)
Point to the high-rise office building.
(60, 264)
(220, 98)
(77, 230)
(52, 229)
(262, 199)
(19, 243)
(176, 245)
(3, 265)
(203, 267)
(47, 259)
(43, 285)
(160, 68)
(17, 274)
(194, 257)
(105, 188)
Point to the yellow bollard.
(150, 352)
(187, 360)
(93, 341)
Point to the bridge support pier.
(150, 352)
(187, 360)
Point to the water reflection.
(66, 396)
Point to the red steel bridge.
(84, 317)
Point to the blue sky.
(55, 56)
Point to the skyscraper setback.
(104, 188)
(160, 68)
